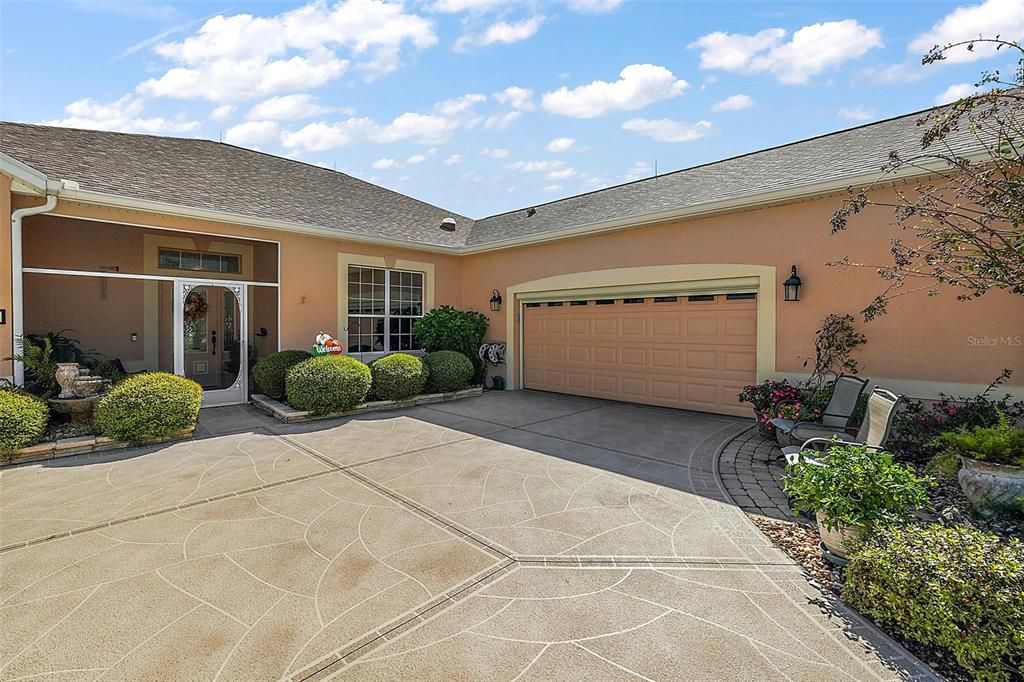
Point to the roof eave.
(24, 178)
(166, 208)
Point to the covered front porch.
(122, 298)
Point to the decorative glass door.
(211, 338)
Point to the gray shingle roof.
(215, 176)
(211, 175)
(835, 156)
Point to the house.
(176, 254)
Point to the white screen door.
(211, 344)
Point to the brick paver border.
(751, 468)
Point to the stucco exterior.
(924, 346)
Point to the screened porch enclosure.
(136, 299)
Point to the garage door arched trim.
(658, 280)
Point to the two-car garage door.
(691, 352)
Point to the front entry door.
(212, 339)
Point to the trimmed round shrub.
(146, 406)
(398, 377)
(955, 588)
(269, 373)
(448, 371)
(328, 383)
(22, 420)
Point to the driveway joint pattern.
(537, 551)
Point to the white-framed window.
(382, 307)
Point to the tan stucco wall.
(930, 342)
(309, 265)
(922, 339)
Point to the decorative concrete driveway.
(513, 536)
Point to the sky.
(485, 106)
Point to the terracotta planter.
(990, 485)
(837, 541)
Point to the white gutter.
(17, 276)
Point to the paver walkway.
(751, 467)
(514, 536)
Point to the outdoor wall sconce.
(791, 287)
(495, 300)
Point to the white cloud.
(857, 113)
(639, 85)
(733, 103)
(458, 105)
(667, 130)
(453, 159)
(456, 6)
(552, 188)
(253, 133)
(317, 137)
(955, 92)
(1004, 18)
(496, 153)
(552, 169)
(121, 115)
(416, 158)
(517, 98)
(501, 121)
(285, 108)
(501, 32)
(222, 113)
(239, 56)
(593, 6)
(810, 51)
(638, 171)
(227, 80)
(386, 164)
(561, 144)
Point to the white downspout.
(17, 277)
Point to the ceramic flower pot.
(66, 374)
(990, 485)
(837, 541)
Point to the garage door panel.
(687, 354)
(579, 327)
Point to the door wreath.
(195, 307)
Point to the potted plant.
(851, 488)
(992, 459)
(763, 398)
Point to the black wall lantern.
(495, 300)
(791, 287)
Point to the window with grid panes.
(382, 307)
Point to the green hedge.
(328, 383)
(448, 328)
(269, 373)
(22, 420)
(955, 588)
(151, 405)
(447, 371)
(398, 377)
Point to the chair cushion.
(804, 431)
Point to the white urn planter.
(990, 485)
(837, 541)
(66, 374)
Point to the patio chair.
(873, 434)
(837, 414)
